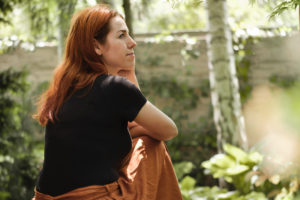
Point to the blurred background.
(227, 72)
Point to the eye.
(122, 35)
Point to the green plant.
(190, 191)
(284, 81)
(20, 149)
(252, 173)
(242, 47)
(233, 166)
(183, 168)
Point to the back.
(91, 139)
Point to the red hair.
(80, 65)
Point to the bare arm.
(138, 131)
(156, 123)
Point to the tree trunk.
(128, 16)
(109, 2)
(223, 81)
(66, 9)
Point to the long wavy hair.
(80, 65)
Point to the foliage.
(190, 14)
(36, 20)
(286, 5)
(173, 3)
(190, 191)
(19, 149)
(233, 166)
(166, 17)
(39, 15)
(252, 172)
(6, 6)
(279, 9)
(183, 168)
(243, 51)
(284, 81)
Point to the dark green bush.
(20, 148)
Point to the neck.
(112, 71)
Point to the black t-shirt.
(91, 139)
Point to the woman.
(89, 153)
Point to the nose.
(131, 43)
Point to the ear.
(97, 47)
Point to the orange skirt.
(146, 174)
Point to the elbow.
(173, 132)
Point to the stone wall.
(40, 62)
(275, 55)
(278, 55)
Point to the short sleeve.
(123, 96)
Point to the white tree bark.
(224, 84)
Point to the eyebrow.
(123, 30)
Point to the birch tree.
(223, 81)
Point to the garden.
(226, 72)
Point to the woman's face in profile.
(117, 52)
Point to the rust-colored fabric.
(145, 174)
(94, 192)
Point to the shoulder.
(107, 82)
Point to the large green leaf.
(237, 170)
(228, 196)
(255, 195)
(237, 153)
(219, 173)
(223, 161)
(220, 161)
(187, 183)
(231, 171)
(206, 164)
(228, 179)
